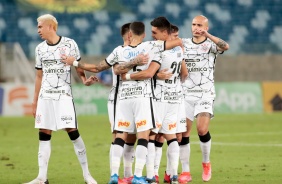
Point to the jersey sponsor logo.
(129, 53)
(123, 124)
(172, 126)
(54, 70)
(49, 62)
(132, 91)
(141, 123)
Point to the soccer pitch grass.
(245, 149)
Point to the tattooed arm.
(124, 67)
(103, 65)
(221, 44)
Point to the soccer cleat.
(166, 178)
(151, 180)
(125, 180)
(184, 177)
(174, 179)
(157, 178)
(138, 180)
(88, 179)
(114, 179)
(206, 171)
(38, 181)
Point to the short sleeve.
(38, 64)
(112, 59)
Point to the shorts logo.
(38, 118)
(66, 118)
(123, 124)
(183, 121)
(172, 126)
(141, 123)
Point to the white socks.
(158, 157)
(140, 159)
(150, 160)
(128, 159)
(206, 149)
(185, 157)
(80, 151)
(43, 159)
(173, 157)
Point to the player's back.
(140, 88)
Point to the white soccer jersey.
(200, 61)
(56, 75)
(112, 59)
(142, 88)
(170, 90)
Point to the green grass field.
(245, 149)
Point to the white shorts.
(166, 117)
(135, 114)
(110, 106)
(55, 114)
(193, 108)
(181, 118)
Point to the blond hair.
(49, 18)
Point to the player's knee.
(44, 137)
(142, 142)
(205, 138)
(184, 141)
(158, 144)
(73, 135)
(119, 141)
(171, 140)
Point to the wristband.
(75, 63)
(127, 76)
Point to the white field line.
(242, 144)
(246, 134)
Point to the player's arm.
(87, 82)
(37, 86)
(163, 74)
(221, 44)
(124, 67)
(142, 75)
(184, 71)
(101, 66)
(173, 43)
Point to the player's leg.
(123, 124)
(144, 122)
(150, 176)
(204, 112)
(128, 157)
(45, 122)
(184, 145)
(111, 112)
(169, 128)
(159, 141)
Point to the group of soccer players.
(159, 87)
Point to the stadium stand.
(249, 26)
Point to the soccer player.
(200, 53)
(180, 123)
(53, 106)
(110, 61)
(135, 108)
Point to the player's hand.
(34, 106)
(68, 60)
(202, 32)
(142, 59)
(164, 74)
(91, 80)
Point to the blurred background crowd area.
(252, 28)
(249, 26)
